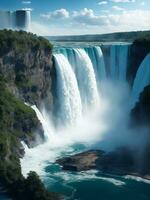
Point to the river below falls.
(91, 185)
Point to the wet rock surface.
(119, 162)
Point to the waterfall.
(67, 90)
(48, 132)
(86, 78)
(100, 64)
(118, 62)
(142, 79)
(97, 59)
(70, 55)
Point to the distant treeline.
(120, 36)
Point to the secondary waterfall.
(142, 79)
(48, 132)
(86, 78)
(118, 62)
(67, 90)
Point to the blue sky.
(67, 17)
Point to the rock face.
(26, 70)
(81, 162)
(29, 75)
(26, 64)
(120, 162)
(115, 162)
(25, 76)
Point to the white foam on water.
(69, 177)
(138, 179)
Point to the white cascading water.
(91, 53)
(118, 62)
(48, 132)
(86, 78)
(100, 64)
(141, 80)
(97, 59)
(68, 93)
(70, 55)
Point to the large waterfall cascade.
(80, 73)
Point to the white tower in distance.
(17, 20)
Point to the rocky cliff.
(25, 76)
(27, 67)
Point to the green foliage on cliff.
(16, 117)
(20, 41)
(31, 188)
(17, 121)
(35, 190)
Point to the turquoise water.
(93, 186)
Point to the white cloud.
(125, 21)
(40, 28)
(123, 1)
(118, 8)
(26, 2)
(130, 20)
(103, 3)
(80, 22)
(87, 17)
(57, 14)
